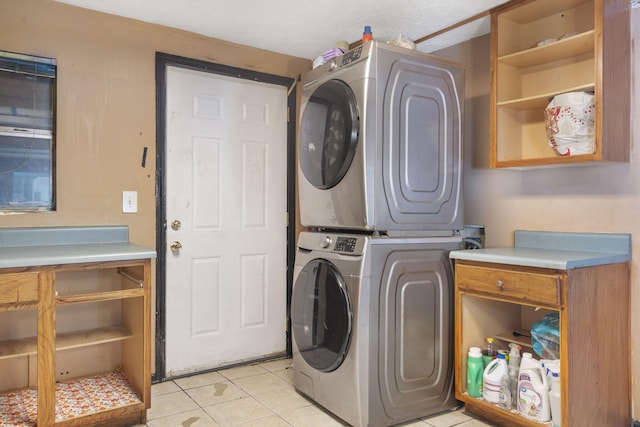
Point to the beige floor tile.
(263, 383)
(413, 423)
(277, 365)
(170, 404)
(199, 380)
(310, 416)
(195, 418)
(448, 419)
(285, 374)
(243, 371)
(238, 411)
(272, 421)
(282, 400)
(474, 423)
(219, 392)
(164, 388)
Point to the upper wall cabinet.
(544, 48)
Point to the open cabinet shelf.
(29, 346)
(79, 353)
(493, 300)
(544, 48)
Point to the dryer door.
(321, 315)
(328, 134)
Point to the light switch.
(129, 201)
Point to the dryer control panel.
(345, 244)
(351, 56)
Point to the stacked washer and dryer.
(380, 187)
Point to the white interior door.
(226, 172)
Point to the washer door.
(328, 134)
(321, 316)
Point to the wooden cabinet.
(75, 345)
(586, 47)
(494, 300)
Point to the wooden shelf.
(100, 296)
(561, 49)
(28, 346)
(540, 9)
(525, 77)
(523, 339)
(542, 100)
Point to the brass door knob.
(176, 224)
(175, 246)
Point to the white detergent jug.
(533, 390)
(493, 377)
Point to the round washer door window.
(328, 134)
(321, 315)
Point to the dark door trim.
(163, 60)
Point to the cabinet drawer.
(18, 287)
(523, 286)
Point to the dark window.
(27, 100)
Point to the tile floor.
(259, 395)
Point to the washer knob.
(325, 242)
(333, 65)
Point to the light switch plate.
(129, 201)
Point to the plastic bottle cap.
(475, 352)
(501, 356)
(367, 29)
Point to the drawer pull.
(500, 284)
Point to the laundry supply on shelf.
(489, 352)
(475, 368)
(493, 379)
(545, 336)
(533, 390)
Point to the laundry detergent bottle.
(493, 379)
(533, 390)
(475, 367)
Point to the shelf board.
(561, 49)
(546, 162)
(534, 11)
(28, 346)
(523, 339)
(100, 296)
(542, 100)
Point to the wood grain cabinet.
(585, 47)
(494, 299)
(75, 343)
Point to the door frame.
(163, 60)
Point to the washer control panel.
(345, 244)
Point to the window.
(27, 100)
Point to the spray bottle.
(514, 370)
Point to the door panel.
(226, 185)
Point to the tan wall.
(106, 104)
(603, 198)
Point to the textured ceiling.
(303, 28)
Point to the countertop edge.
(47, 255)
(556, 250)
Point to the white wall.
(598, 198)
